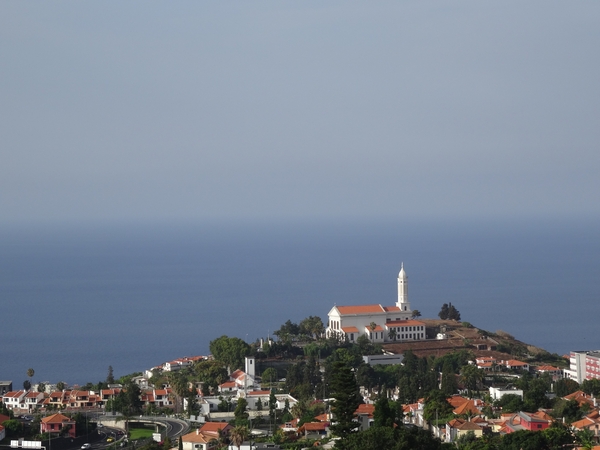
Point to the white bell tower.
(403, 302)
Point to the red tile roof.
(57, 418)
(350, 329)
(214, 427)
(360, 309)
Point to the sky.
(186, 110)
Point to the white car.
(86, 446)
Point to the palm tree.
(238, 435)
(30, 374)
(392, 334)
(372, 327)
(416, 313)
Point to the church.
(380, 324)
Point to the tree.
(471, 376)
(453, 313)
(392, 334)
(26, 385)
(30, 374)
(287, 330)
(449, 386)
(443, 314)
(241, 416)
(238, 435)
(565, 386)
(346, 399)
(384, 415)
(436, 406)
(372, 327)
(269, 374)
(312, 326)
(272, 405)
(41, 387)
(60, 385)
(110, 378)
(416, 313)
(230, 351)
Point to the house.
(554, 372)
(526, 421)
(5, 386)
(587, 423)
(516, 365)
(216, 428)
(14, 399)
(314, 430)
(364, 416)
(498, 392)
(379, 323)
(199, 441)
(32, 399)
(55, 423)
(458, 427)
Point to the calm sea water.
(75, 300)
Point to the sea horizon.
(79, 298)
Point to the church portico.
(379, 323)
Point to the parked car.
(110, 439)
(86, 446)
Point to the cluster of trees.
(310, 328)
(557, 436)
(449, 312)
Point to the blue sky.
(176, 111)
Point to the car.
(28, 418)
(100, 425)
(110, 439)
(86, 446)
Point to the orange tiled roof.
(456, 401)
(547, 369)
(197, 437)
(360, 309)
(391, 308)
(350, 329)
(583, 423)
(514, 362)
(3, 418)
(57, 418)
(467, 407)
(315, 426)
(365, 409)
(259, 393)
(214, 427)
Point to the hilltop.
(455, 336)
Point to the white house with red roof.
(14, 399)
(379, 323)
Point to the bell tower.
(403, 302)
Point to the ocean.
(75, 300)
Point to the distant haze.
(227, 110)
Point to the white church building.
(379, 323)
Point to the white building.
(584, 365)
(379, 323)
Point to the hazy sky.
(203, 110)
